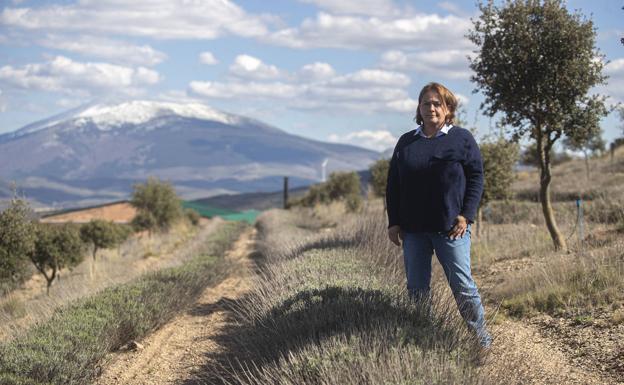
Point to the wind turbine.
(323, 169)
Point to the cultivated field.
(317, 296)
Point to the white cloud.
(317, 71)
(449, 64)
(316, 87)
(374, 140)
(231, 90)
(207, 58)
(372, 77)
(615, 82)
(61, 74)
(159, 19)
(421, 31)
(115, 50)
(357, 7)
(246, 66)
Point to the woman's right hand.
(394, 233)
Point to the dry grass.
(331, 308)
(569, 284)
(70, 346)
(29, 305)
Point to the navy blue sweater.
(432, 180)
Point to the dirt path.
(172, 353)
(523, 353)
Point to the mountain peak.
(109, 115)
(142, 111)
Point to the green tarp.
(210, 211)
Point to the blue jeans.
(454, 256)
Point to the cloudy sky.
(334, 70)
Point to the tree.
(341, 186)
(157, 205)
(56, 248)
(193, 216)
(101, 234)
(16, 240)
(588, 146)
(529, 156)
(499, 158)
(535, 64)
(379, 176)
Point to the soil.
(536, 351)
(121, 212)
(542, 349)
(177, 350)
(112, 267)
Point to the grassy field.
(329, 307)
(69, 348)
(329, 304)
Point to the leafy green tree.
(17, 237)
(341, 186)
(535, 64)
(379, 176)
(56, 248)
(529, 156)
(100, 234)
(193, 216)
(499, 158)
(157, 205)
(591, 145)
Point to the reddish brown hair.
(448, 99)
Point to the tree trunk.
(545, 178)
(586, 163)
(49, 280)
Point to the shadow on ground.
(311, 316)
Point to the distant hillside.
(96, 153)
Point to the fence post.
(285, 192)
(579, 218)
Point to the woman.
(435, 183)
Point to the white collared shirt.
(442, 131)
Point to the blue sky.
(345, 71)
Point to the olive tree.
(56, 248)
(101, 234)
(157, 205)
(499, 158)
(341, 186)
(591, 145)
(535, 64)
(379, 177)
(16, 241)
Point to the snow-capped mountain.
(96, 153)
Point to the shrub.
(341, 186)
(56, 247)
(157, 204)
(16, 241)
(71, 346)
(102, 234)
(193, 216)
(379, 176)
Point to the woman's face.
(432, 109)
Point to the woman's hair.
(449, 100)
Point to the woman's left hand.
(459, 228)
